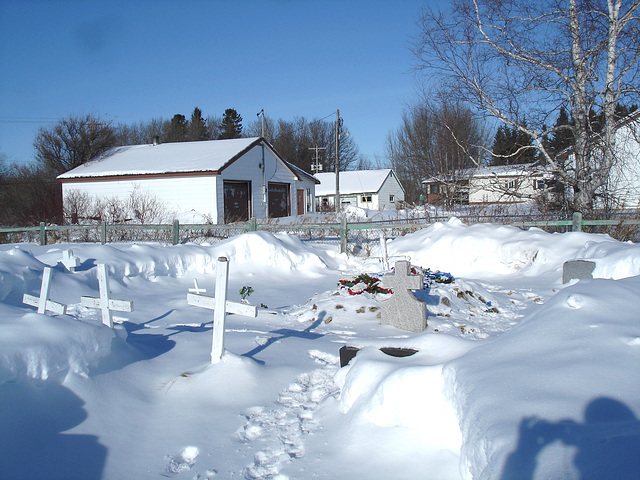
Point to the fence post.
(103, 233)
(176, 231)
(383, 250)
(253, 224)
(43, 233)
(343, 235)
(577, 222)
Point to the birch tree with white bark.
(520, 62)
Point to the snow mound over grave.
(552, 371)
(408, 393)
(485, 249)
(34, 346)
(256, 249)
(17, 268)
(281, 251)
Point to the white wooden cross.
(196, 289)
(70, 261)
(220, 306)
(383, 250)
(105, 302)
(43, 303)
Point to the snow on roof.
(206, 156)
(359, 181)
(490, 171)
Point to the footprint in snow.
(183, 461)
(282, 428)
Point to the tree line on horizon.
(30, 193)
(505, 83)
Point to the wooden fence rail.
(339, 230)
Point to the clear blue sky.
(130, 61)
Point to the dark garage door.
(279, 200)
(237, 197)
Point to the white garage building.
(226, 180)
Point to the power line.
(7, 119)
(311, 123)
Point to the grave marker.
(70, 261)
(220, 306)
(196, 289)
(105, 302)
(43, 303)
(383, 250)
(577, 269)
(403, 310)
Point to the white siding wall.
(492, 190)
(178, 194)
(365, 203)
(379, 201)
(205, 194)
(389, 187)
(247, 169)
(624, 179)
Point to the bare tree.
(72, 142)
(4, 168)
(144, 207)
(520, 62)
(294, 140)
(261, 127)
(78, 207)
(140, 133)
(29, 195)
(437, 140)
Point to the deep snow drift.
(517, 375)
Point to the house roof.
(353, 182)
(516, 170)
(171, 158)
(490, 171)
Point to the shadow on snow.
(608, 443)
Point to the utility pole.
(337, 165)
(316, 167)
(261, 114)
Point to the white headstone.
(70, 261)
(220, 306)
(403, 310)
(42, 302)
(105, 303)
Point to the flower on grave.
(430, 277)
(245, 291)
(491, 309)
(363, 283)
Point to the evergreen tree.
(563, 137)
(197, 129)
(177, 130)
(231, 125)
(510, 147)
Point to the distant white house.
(227, 180)
(623, 187)
(372, 189)
(519, 183)
(493, 184)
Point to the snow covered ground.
(517, 376)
